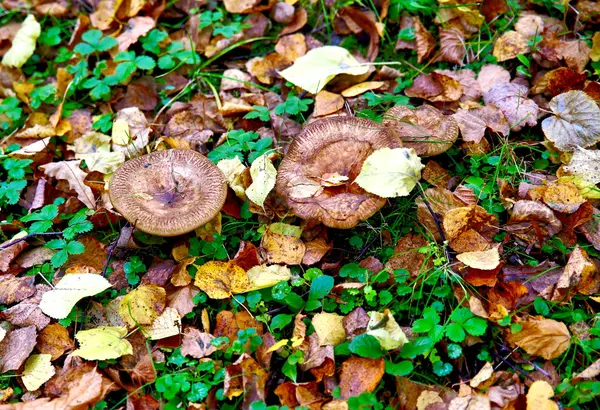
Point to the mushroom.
(425, 129)
(317, 173)
(168, 193)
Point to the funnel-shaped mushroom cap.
(168, 193)
(425, 129)
(318, 172)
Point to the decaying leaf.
(383, 327)
(512, 100)
(585, 164)
(542, 337)
(359, 375)
(330, 328)
(575, 123)
(166, 325)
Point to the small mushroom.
(168, 193)
(425, 129)
(318, 172)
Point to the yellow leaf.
(278, 345)
(586, 189)
(329, 328)
(297, 341)
(120, 132)
(286, 229)
(595, 52)
(58, 302)
(233, 169)
(485, 260)
(390, 172)
(38, 370)
(103, 343)
(263, 175)
(263, 276)
(362, 88)
(142, 305)
(221, 279)
(316, 68)
(166, 325)
(23, 44)
(383, 327)
(539, 395)
(484, 374)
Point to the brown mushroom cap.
(168, 193)
(317, 173)
(425, 129)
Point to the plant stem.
(29, 236)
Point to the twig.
(29, 236)
(523, 372)
(111, 250)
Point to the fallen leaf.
(532, 222)
(197, 344)
(575, 123)
(435, 87)
(13, 289)
(235, 173)
(23, 44)
(263, 276)
(291, 46)
(359, 375)
(136, 27)
(590, 372)
(452, 46)
(263, 175)
(38, 370)
(330, 328)
(315, 250)
(16, 346)
(103, 343)
(142, 305)
(425, 129)
(539, 396)
(563, 196)
(424, 43)
(327, 103)
(427, 398)
(390, 172)
(509, 45)
(512, 100)
(166, 325)
(542, 337)
(221, 279)
(384, 328)
(280, 248)
(362, 88)
(491, 75)
(54, 340)
(314, 70)
(95, 149)
(58, 302)
(485, 260)
(72, 173)
(482, 375)
(585, 164)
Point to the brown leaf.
(425, 129)
(72, 173)
(466, 78)
(28, 313)
(436, 175)
(367, 21)
(470, 228)
(579, 275)
(315, 250)
(16, 346)
(327, 103)
(563, 196)
(533, 222)
(8, 254)
(54, 340)
(245, 376)
(407, 256)
(512, 100)
(509, 45)
(541, 337)
(104, 14)
(473, 122)
(452, 46)
(136, 28)
(590, 372)
(491, 75)
(298, 21)
(14, 289)
(197, 344)
(291, 46)
(182, 299)
(435, 87)
(424, 43)
(359, 375)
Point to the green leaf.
(55, 244)
(442, 369)
(541, 306)
(59, 258)
(50, 37)
(407, 34)
(124, 56)
(454, 351)
(100, 91)
(476, 326)
(150, 42)
(84, 49)
(289, 369)
(403, 368)
(106, 44)
(281, 321)
(75, 248)
(366, 346)
(260, 112)
(166, 62)
(320, 287)
(145, 63)
(455, 332)
(92, 36)
(461, 315)
(125, 70)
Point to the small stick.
(111, 250)
(513, 366)
(29, 236)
